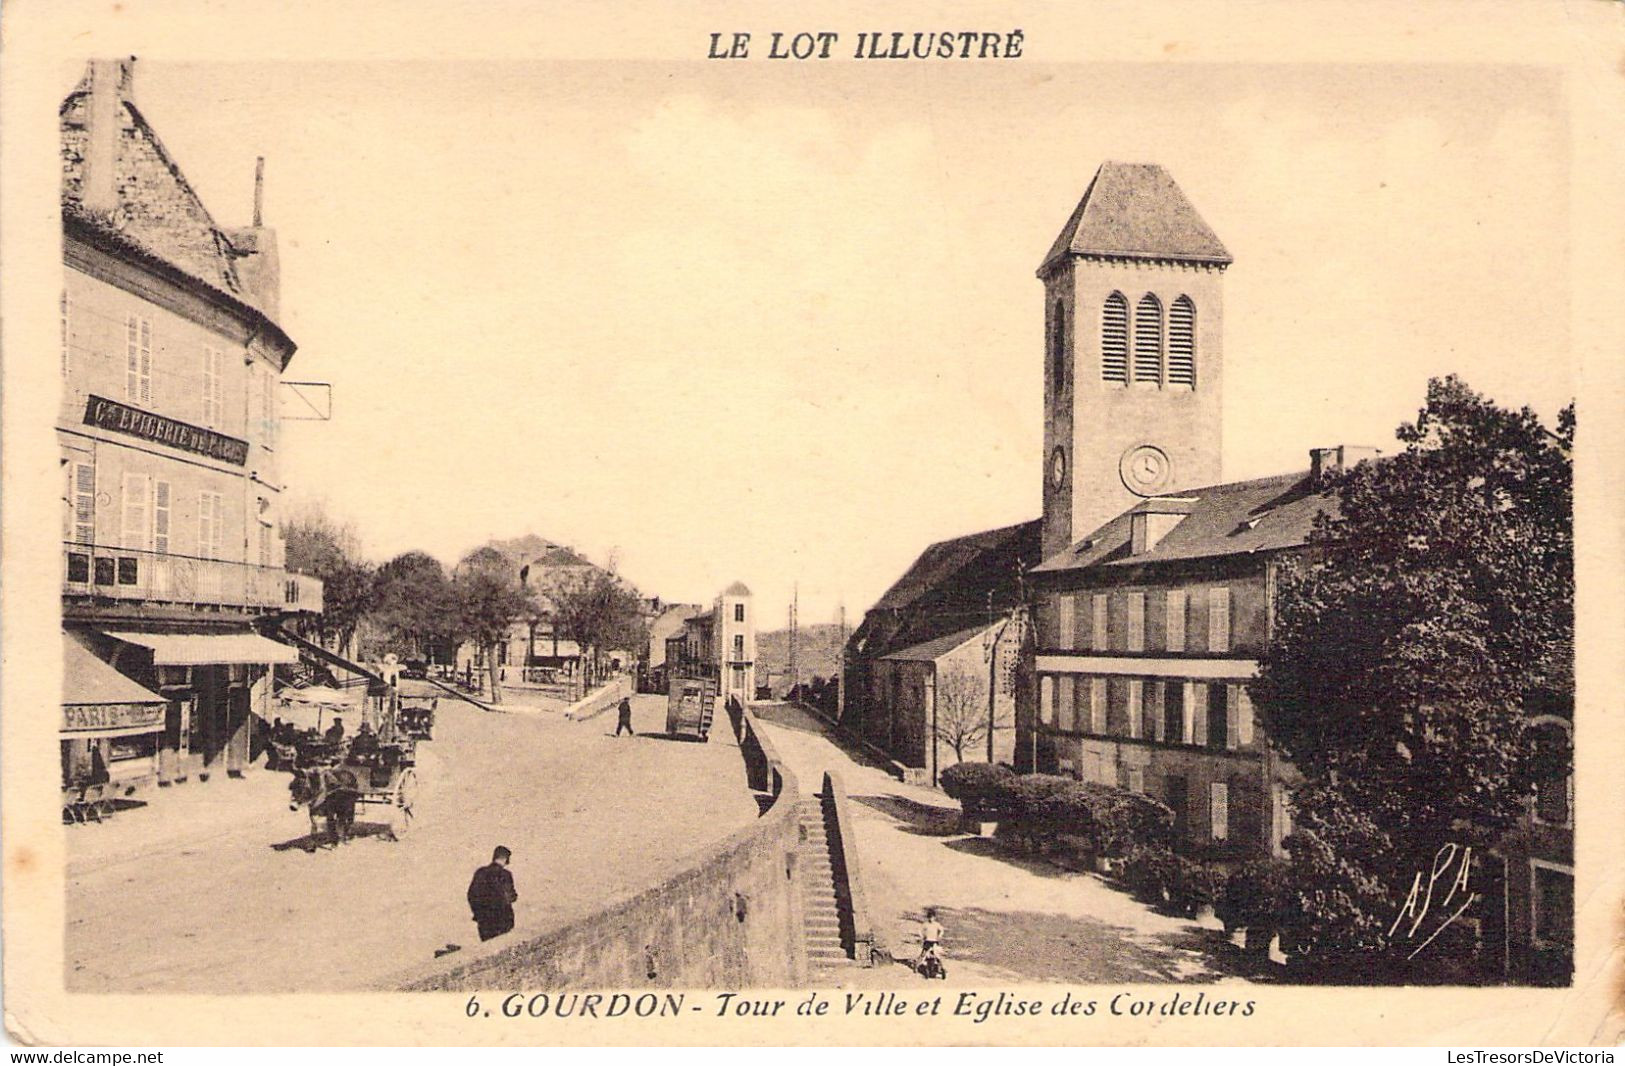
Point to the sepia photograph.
(839, 515)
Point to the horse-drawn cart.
(333, 780)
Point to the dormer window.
(1154, 520)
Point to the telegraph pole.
(840, 676)
(794, 664)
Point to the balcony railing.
(105, 572)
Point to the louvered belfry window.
(1114, 339)
(1148, 340)
(1057, 346)
(1182, 343)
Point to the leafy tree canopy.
(1435, 609)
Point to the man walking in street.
(625, 721)
(491, 895)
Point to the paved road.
(211, 889)
(1006, 918)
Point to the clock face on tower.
(1145, 470)
(1057, 468)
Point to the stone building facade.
(168, 427)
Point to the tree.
(1436, 605)
(320, 545)
(962, 718)
(488, 598)
(412, 601)
(599, 611)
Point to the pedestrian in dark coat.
(491, 896)
(625, 718)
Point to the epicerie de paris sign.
(109, 414)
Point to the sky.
(781, 325)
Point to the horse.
(330, 792)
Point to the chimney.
(110, 81)
(1327, 463)
(257, 263)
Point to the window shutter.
(1196, 710)
(1097, 705)
(1182, 343)
(1136, 621)
(1218, 619)
(1148, 339)
(146, 361)
(1244, 717)
(134, 527)
(1068, 620)
(132, 358)
(1046, 699)
(1136, 698)
(208, 387)
(160, 516)
(1232, 717)
(1098, 608)
(1114, 339)
(84, 503)
(1176, 620)
(1221, 810)
(1187, 713)
(206, 523)
(1153, 705)
(65, 332)
(1064, 698)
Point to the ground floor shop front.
(158, 707)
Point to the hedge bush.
(1256, 894)
(976, 785)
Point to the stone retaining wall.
(732, 919)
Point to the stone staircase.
(822, 919)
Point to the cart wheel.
(406, 793)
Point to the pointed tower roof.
(1136, 211)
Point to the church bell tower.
(1134, 352)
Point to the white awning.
(203, 649)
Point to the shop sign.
(110, 414)
(87, 717)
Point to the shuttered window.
(161, 497)
(1114, 339)
(1046, 699)
(1136, 621)
(133, 524)
(1182, 343)
(268, 412)
(210, 536)
(1218, 619)
(1136, 698)
(1097, 705)
(1098, 631)
(84, 503)
(1244, 717)
(138, 359)
(1148, 339)
(1066, 638)
(1220, 807)
(214, 389)
(65, 332)
(1065, 701)
(1176, 620)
